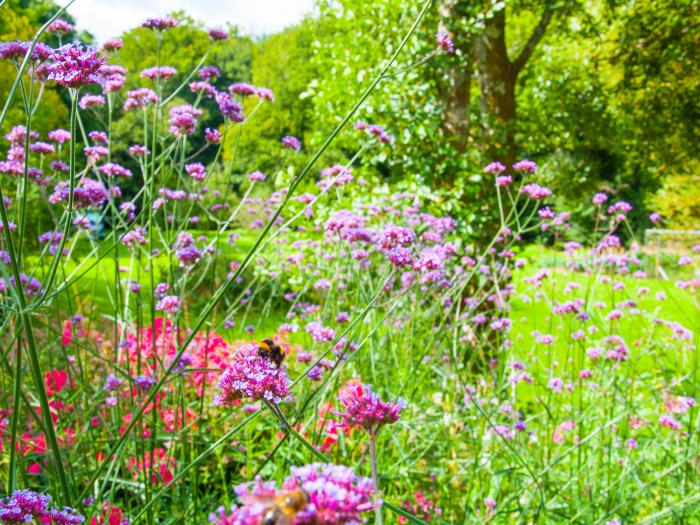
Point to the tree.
(498, 77)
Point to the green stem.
(375, 477)
(33, 355)
(71, 199)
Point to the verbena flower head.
(229, 108)
(196, 170)
(112, 45)
(241, 88)
(209, 73)
(495, 167)
(250, 376)
(525, 165)
(535, 191)
(336, 496)
(140, 98)
(364, 409)
(158, 72)
(169, 304)
(59, 27)
(88, 193)
(112, 169)
(445, 43)
(291, 142)
(183, 120)
(212, 136)
(26, 506)
(160, 24)
(17, 49)
(74, 66)
(88, 101)
(218, 34)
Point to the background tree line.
(602, 94)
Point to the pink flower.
(291, 142)
(59, 26)
(196, 171)
(535, 191)
(112, 45)
(669, 421)
(599, 198)
(336, 496)
(158, 72)
(525, 165)
(250, 376)
(212, 136)
(495, 167)
(160, 24)
(364, 409)
(320, 333)
(140, 98)
(218, 34)
(74, 66)
(445, 43)
(183, 120)
(256, 176)
(169, 304)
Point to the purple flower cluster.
(169, 304)
(17, 49)
(253, 377)
(160, 24)
(112, 169)
(218, 34)
(364, 409)
(60, 27)
(185, 251)
(229, 108)
(88, 193)
(26, 506)
(374, 130)
(535, 191)
(445, 43)
(336, 496)
(183, 120)
(291, 142)
(209, 73)
(159, 72)
(140, 98)
(196, 170)
(74, 66)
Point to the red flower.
(55, 381)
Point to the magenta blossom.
(112, 45)
(160, 24)
(251, 376)
(364, 409)
(59, 27)
(218, 34)
(291, 142)
(495, 167)
(336, 496)
(74, 66)
(525, 165)
(445, 43)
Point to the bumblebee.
(281, 509)
(269, 350)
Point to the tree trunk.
(457, 92)
(497, 78)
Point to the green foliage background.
(606, 102)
